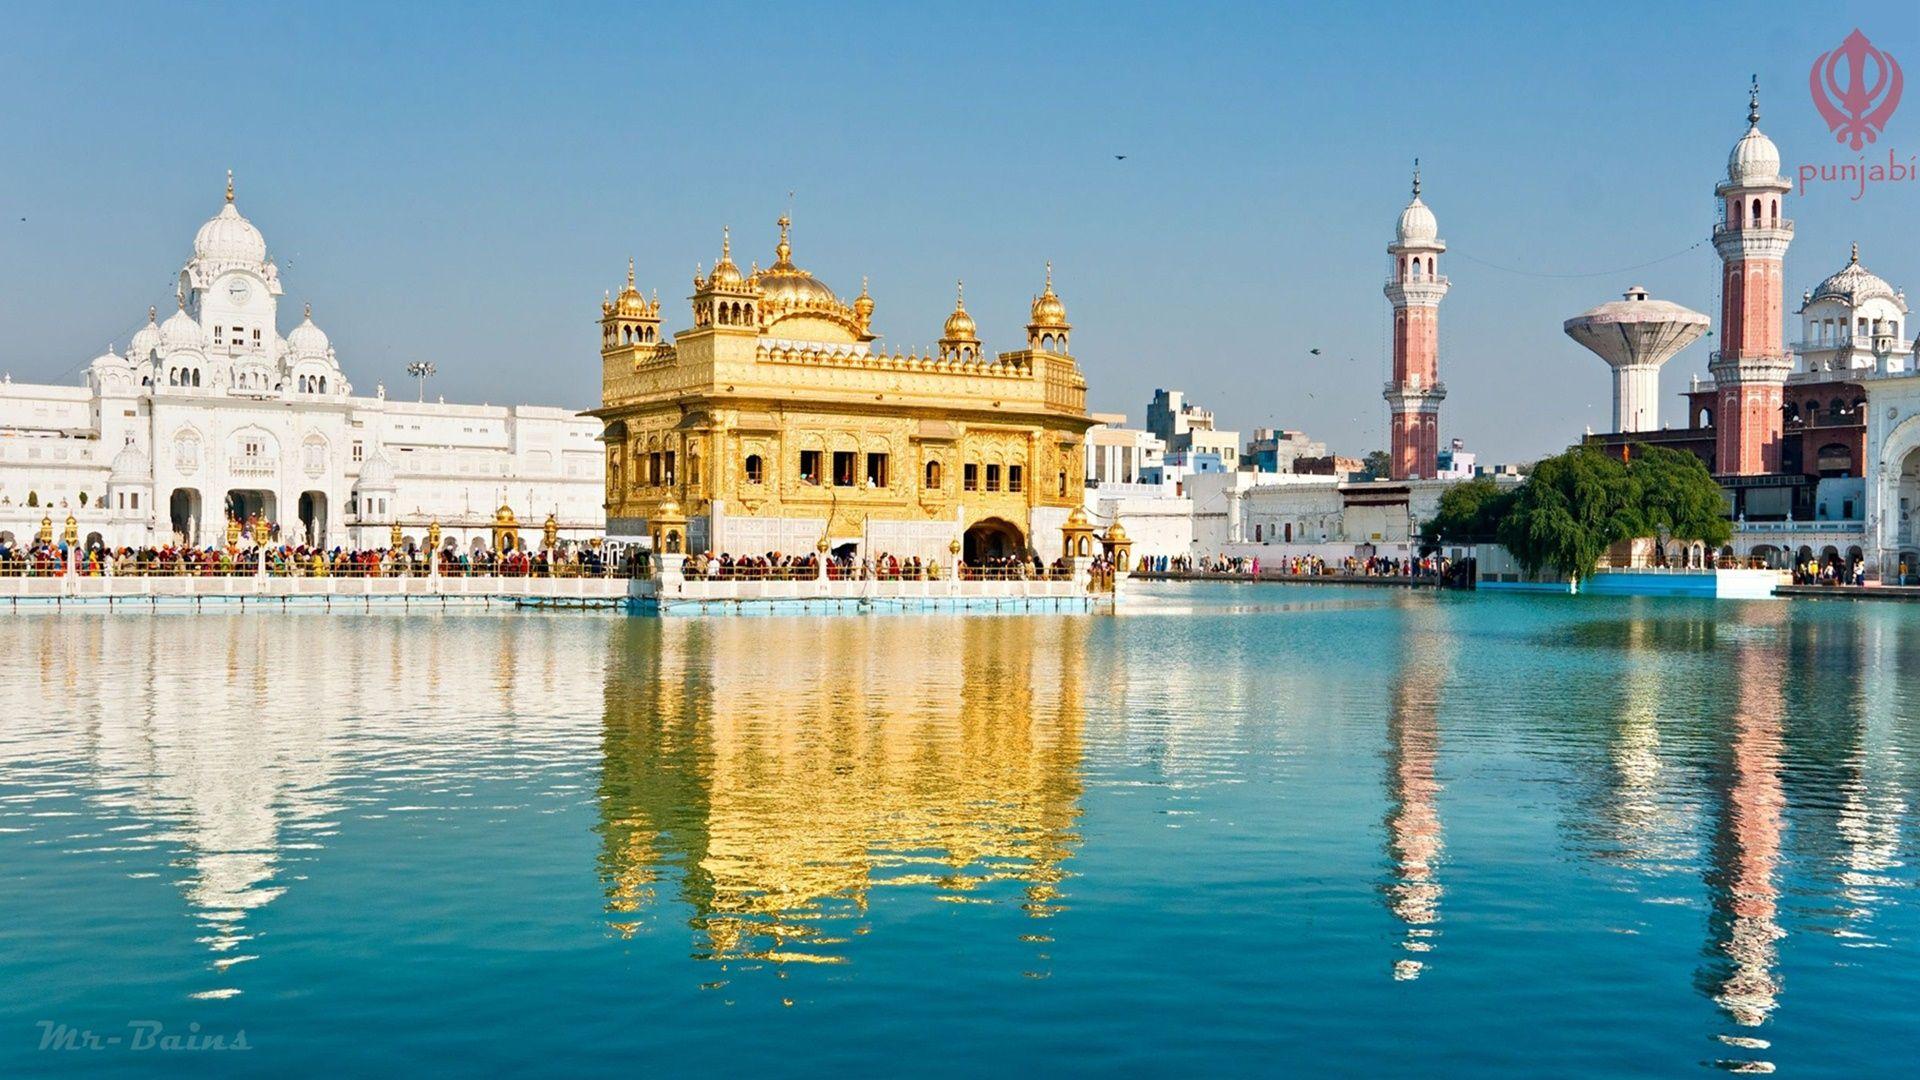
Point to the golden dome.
(960, 324)
(504, 515)
(1116, 534)
(669, 510)
(783, 283)
(1047, 308)
(1078, 519)
(630, 302)
(725, 274)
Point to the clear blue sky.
(460, 183)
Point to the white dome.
(108, 360)
(1854, 284)
(308, 339)
(228, 237)
(146, 340)
(376, 473)
(179, 332)
(1755, 160)
(1417, 223)
(130, 467)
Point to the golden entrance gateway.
(778, 423)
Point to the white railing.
(1800, 526)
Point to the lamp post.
(422, 370)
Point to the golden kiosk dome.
(1048, 310)
(1078, 519)
(726, 275)
(1116, 534)
(504, 515)
(629, 302)
(960, 325)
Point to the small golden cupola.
(1048, 330)
(629, 319)
(960, 339)
(726, 298)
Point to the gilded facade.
(778, 420)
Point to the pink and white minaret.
(1751, 366)
(1415, 288)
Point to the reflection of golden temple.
(1414, 840)
(913, 760)
(777, 416)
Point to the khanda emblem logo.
(1856, 110)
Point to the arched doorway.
(313, 517)
(992, 538)
(184, 513)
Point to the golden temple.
(777, 422)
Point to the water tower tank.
(1635, 335)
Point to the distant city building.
(1187, 427)
(1118, 454)
(211, 416)
(1335, 465)
(1275, 450)
(1455, 462)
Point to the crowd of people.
(775, 566)
(1808, 571)
(1297, 566)
(180, 560)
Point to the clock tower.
(230, 287)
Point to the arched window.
(933, 474)
(755, 470)
(1756, 211)
(1429, 266)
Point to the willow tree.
(1678, 496)
(1575, 506)
(1469, 513)
(1570, 510)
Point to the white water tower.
(1636, 335)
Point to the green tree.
(1678, 496)
(1376, 466)
(1570, 510)
(1469, 513)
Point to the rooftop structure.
(1635, 335)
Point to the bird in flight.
(1119, 157)
(1315, 352)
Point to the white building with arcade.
(211, 415)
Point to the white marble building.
(212, 413)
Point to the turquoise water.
(1239, 830)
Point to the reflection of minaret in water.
(1743, 924)
(1413, 831)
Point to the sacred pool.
(1233, 828)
